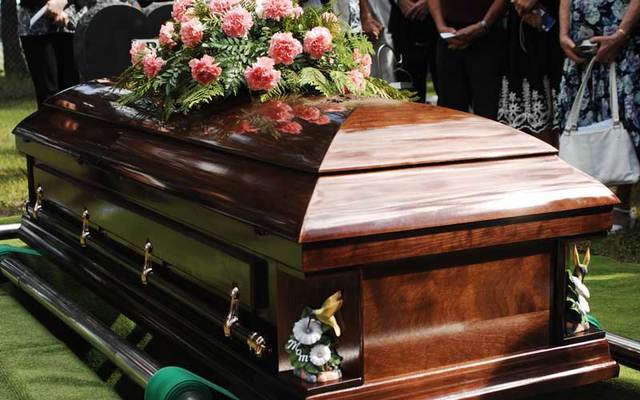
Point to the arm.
(611, 46)
(567, 44)
(472, 32)
(370, 25)
(436, 13)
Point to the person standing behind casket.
(415, 37)
(471, 63)
(615, 26)
(48, 43)
(534, 68)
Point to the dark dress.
(533, 72)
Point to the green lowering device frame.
(168, 383)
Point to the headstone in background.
(157, 14)
(104, 34)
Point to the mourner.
(533, 69)
(615, 31)
(46, 32)
(470, 53)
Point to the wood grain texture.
(439, 316)
(507, 377)
(371, 133)
(402, 134)
(344, 253)
(378, 202)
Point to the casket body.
(445, 232)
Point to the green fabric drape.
(170, 382)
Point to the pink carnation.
(237, 22)
(261, 75)
(364, 61)
(274, 9)
(191, 32)
(284, 48)
(180, 8)
(292, 128)
(357, 77)
(152, 64)
(297, 12)
(317, 42)
(219, 7)
(166, 35)
(138, 50)
(204, 70)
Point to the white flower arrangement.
(307, 331)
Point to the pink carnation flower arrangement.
(214, 49)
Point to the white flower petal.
(320, 354)
(307, 331)
(581, 288)
(584, 305)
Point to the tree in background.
(14, 64)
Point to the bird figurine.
(326, 313)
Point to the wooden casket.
(446, 233)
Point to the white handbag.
(603, 150)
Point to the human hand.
(532, 19)
(371, 26)
(405, 7)
(55, 9)
(467, 35)
(419, 10)
(569, 48)
(610, 46)
(524, 6)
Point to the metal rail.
(138, 365)
(9, 231)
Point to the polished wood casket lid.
(314, 170)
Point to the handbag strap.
(613, 94)
(574, 113)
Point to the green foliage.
(199, 95)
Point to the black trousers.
(470, 78)
(51, 63)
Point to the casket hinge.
(84, 233)
(147, 267)
(234, 306)
(257, 344)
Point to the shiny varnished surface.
(316, 135)
(353, 205)
(402, 134)
(413, 320)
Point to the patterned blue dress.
(594, 18)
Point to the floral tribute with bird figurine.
(270, 48)
(312, 344)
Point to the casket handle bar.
(147, 267)
(256, 342)
(234, 307)
(85, 233)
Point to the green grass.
(13, 177)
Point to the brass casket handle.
(147, 267)
(37, 206)
(234, 306)
(84, 233)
